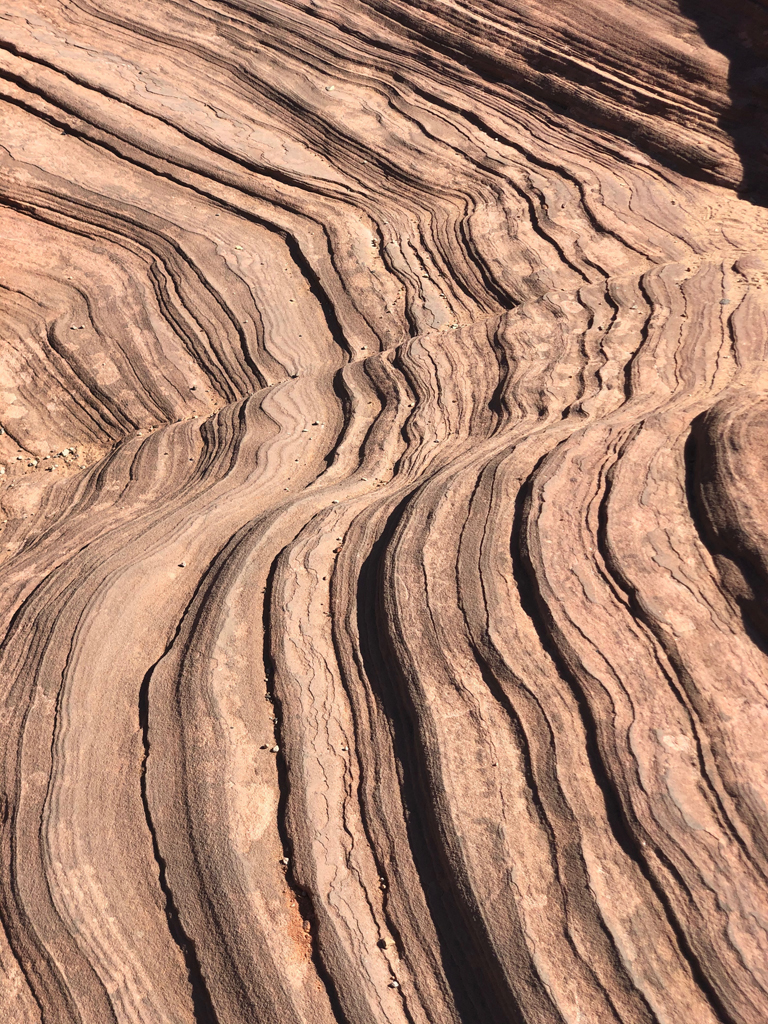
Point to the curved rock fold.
(383, 542)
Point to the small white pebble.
(330, 88)
(275, 750)
(182, 565)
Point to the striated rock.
(383, 533)
(731, 459)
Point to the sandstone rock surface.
(384, 530)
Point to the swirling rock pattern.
(384, 545)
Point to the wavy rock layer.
(384, 545)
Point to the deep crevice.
(202, 1004)
(480, 996)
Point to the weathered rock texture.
(384, 513)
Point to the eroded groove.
(203, 1007)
